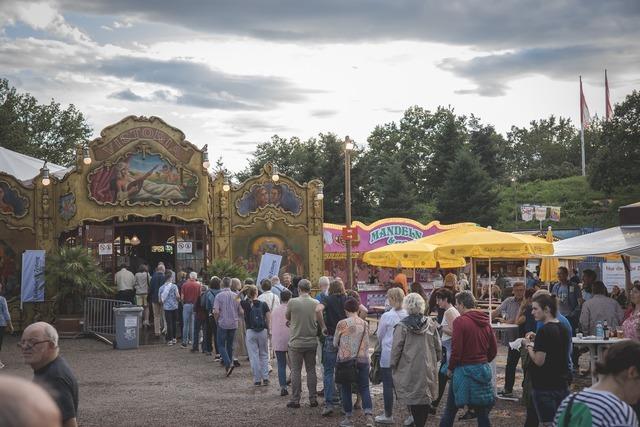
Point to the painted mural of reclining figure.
(128, 185)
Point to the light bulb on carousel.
(135, 241)
(86, 156)
(275, 176)
(320, 193)
(205, 157)
(46, 180)
(225, 185)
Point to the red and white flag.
(607, 107)
(585, 117)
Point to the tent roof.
(616, 240)
(24, 167)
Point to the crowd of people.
(424, 342)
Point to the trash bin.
(127, 327)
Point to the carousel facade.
(141, 193)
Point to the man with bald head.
(40, 350)
(25, 404)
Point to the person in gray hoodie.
(415, 354)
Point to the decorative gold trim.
(142, 148)
(269, 218)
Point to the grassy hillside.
(581, 205)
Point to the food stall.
(372, 282)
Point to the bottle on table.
(599, 330)
(605, 330)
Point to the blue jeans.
(281, 357)
(225, 345)
(449, 415)
(547, 402)
(329, 363)
(363, 390)
(387, 390)
(187, 322)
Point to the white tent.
(612, 241)
(25, 168)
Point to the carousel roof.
(25, 168)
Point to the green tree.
(489, 147)
(318, 158)
(468, 193)
(397, 195)
(44, 131)
(617, 152)
(547, 149)
(225, 268)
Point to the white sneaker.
(1, 365)
(346, 422)
(170, 343)
(383, 419)
(408, 421)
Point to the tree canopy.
(44, 131)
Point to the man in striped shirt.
(606, 403)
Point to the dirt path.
(158, 385)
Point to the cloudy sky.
(232, 73)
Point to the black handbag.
(347, 370)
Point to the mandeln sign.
(394, 234)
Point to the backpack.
(202, 302)
(256, 315)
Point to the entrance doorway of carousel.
(179, 245)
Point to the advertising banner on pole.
(526, 211)
(32, 276)
(613, 274)
(269, 267)
(554, 213)
(541, 213)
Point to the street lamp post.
(348, 146)
(515, 202)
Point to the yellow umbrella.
(413, 254)
(549, 266)
(487, 243)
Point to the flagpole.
(584, 167)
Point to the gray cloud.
(488, 23)
(323, 113)
(538, 31)
(201, 86)
(127, 95)
(244, 122)
(492, 73)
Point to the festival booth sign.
(369, 278)
(262, 215)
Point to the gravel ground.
(167, 386)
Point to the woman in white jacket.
(385, 335)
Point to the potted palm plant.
(72, 274)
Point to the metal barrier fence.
(99, 318)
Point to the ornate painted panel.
(12, 202)
(279, 196)
(142, 178)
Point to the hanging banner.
(269, 267)
(541, 213)
(554, 213)
(32, 276)
(526, 211)
(613, 274)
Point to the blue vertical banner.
(32, 276)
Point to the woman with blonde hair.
(416, 348)
(388, 321)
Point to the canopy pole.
(490, 289)
(472, 273)
(525, 273)
(626, 261)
